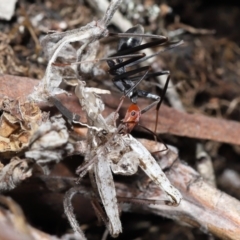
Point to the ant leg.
(156, 138)
(167, 46)
(132, 44)
(140, 47)
(131, 89)
(136, 60)
(143, 77)
(137, 55)
(125, 75)
(118, 69)
(156, 74)
(158, 100)
(101, 215)
(143, 201)
(161, 100)
(136, 32)
(64, 111)
(108, 59)
(124, 83)
(83, 169)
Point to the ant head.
(134, 109)
(132, 117)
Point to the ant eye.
(133, 113)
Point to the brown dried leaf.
(49, 144)
(17, 124)
(14, 173)
(8, 61)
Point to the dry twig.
(203, 206)
(171, 120)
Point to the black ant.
(130, 43)
(127, 84)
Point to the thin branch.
(203, 206)
(170, 120)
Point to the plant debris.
(68, 150)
